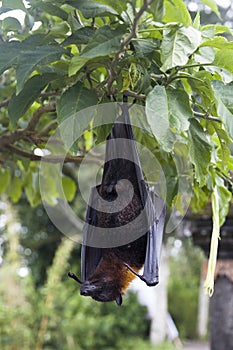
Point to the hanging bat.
(106, 271)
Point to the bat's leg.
(72, 275)
(149, 281)
(132, 270)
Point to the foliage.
(83, 52)
(70, 55)
(183, 289)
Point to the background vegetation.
(64, 57)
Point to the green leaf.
(223, 152)
(69, 188)
(11, 24)
(197, 21)
(14, 5)
(31, 187)
(88, 137)
(29, 59)
(199, 151)
(104, 118)
(15, 189)
(179, 109)
(158, 117)
(105, 41)
(200, 197)
(58, 31)
(210, 30)
(5, 177)
(204, 55)
(80, 36)
(75, 99)
(224, 99)
(9, 52)
(20, 103)
(157, 10)
(225, 197)
(202, 87)
(177, 45)
(223, 59)
(212, 5)
(117, 5)
(176, 11)
(219, 42)
(134, 74)
(4, 10)
(92, 9)
(50, 183)
(144, 47)
(76, 63)
(52, 9)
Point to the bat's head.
(102, 291)
(99, 290)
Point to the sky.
(19, 14)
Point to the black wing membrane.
(123, 163)
(90, 256)
(154, 243)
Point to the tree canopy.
(67, 56)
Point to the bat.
(122, 209)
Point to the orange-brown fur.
(112, 269)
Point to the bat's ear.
(119, 300)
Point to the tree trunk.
(221, 315)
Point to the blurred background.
(38, 301)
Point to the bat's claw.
(72, 275)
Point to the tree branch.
(49, 159)
(124, 43)
(38, 113)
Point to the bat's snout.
(87, 289)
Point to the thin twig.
(7, 139)
(134, 94)
(47, 128)
(4, 103)
(177, 68)
(207, 117)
